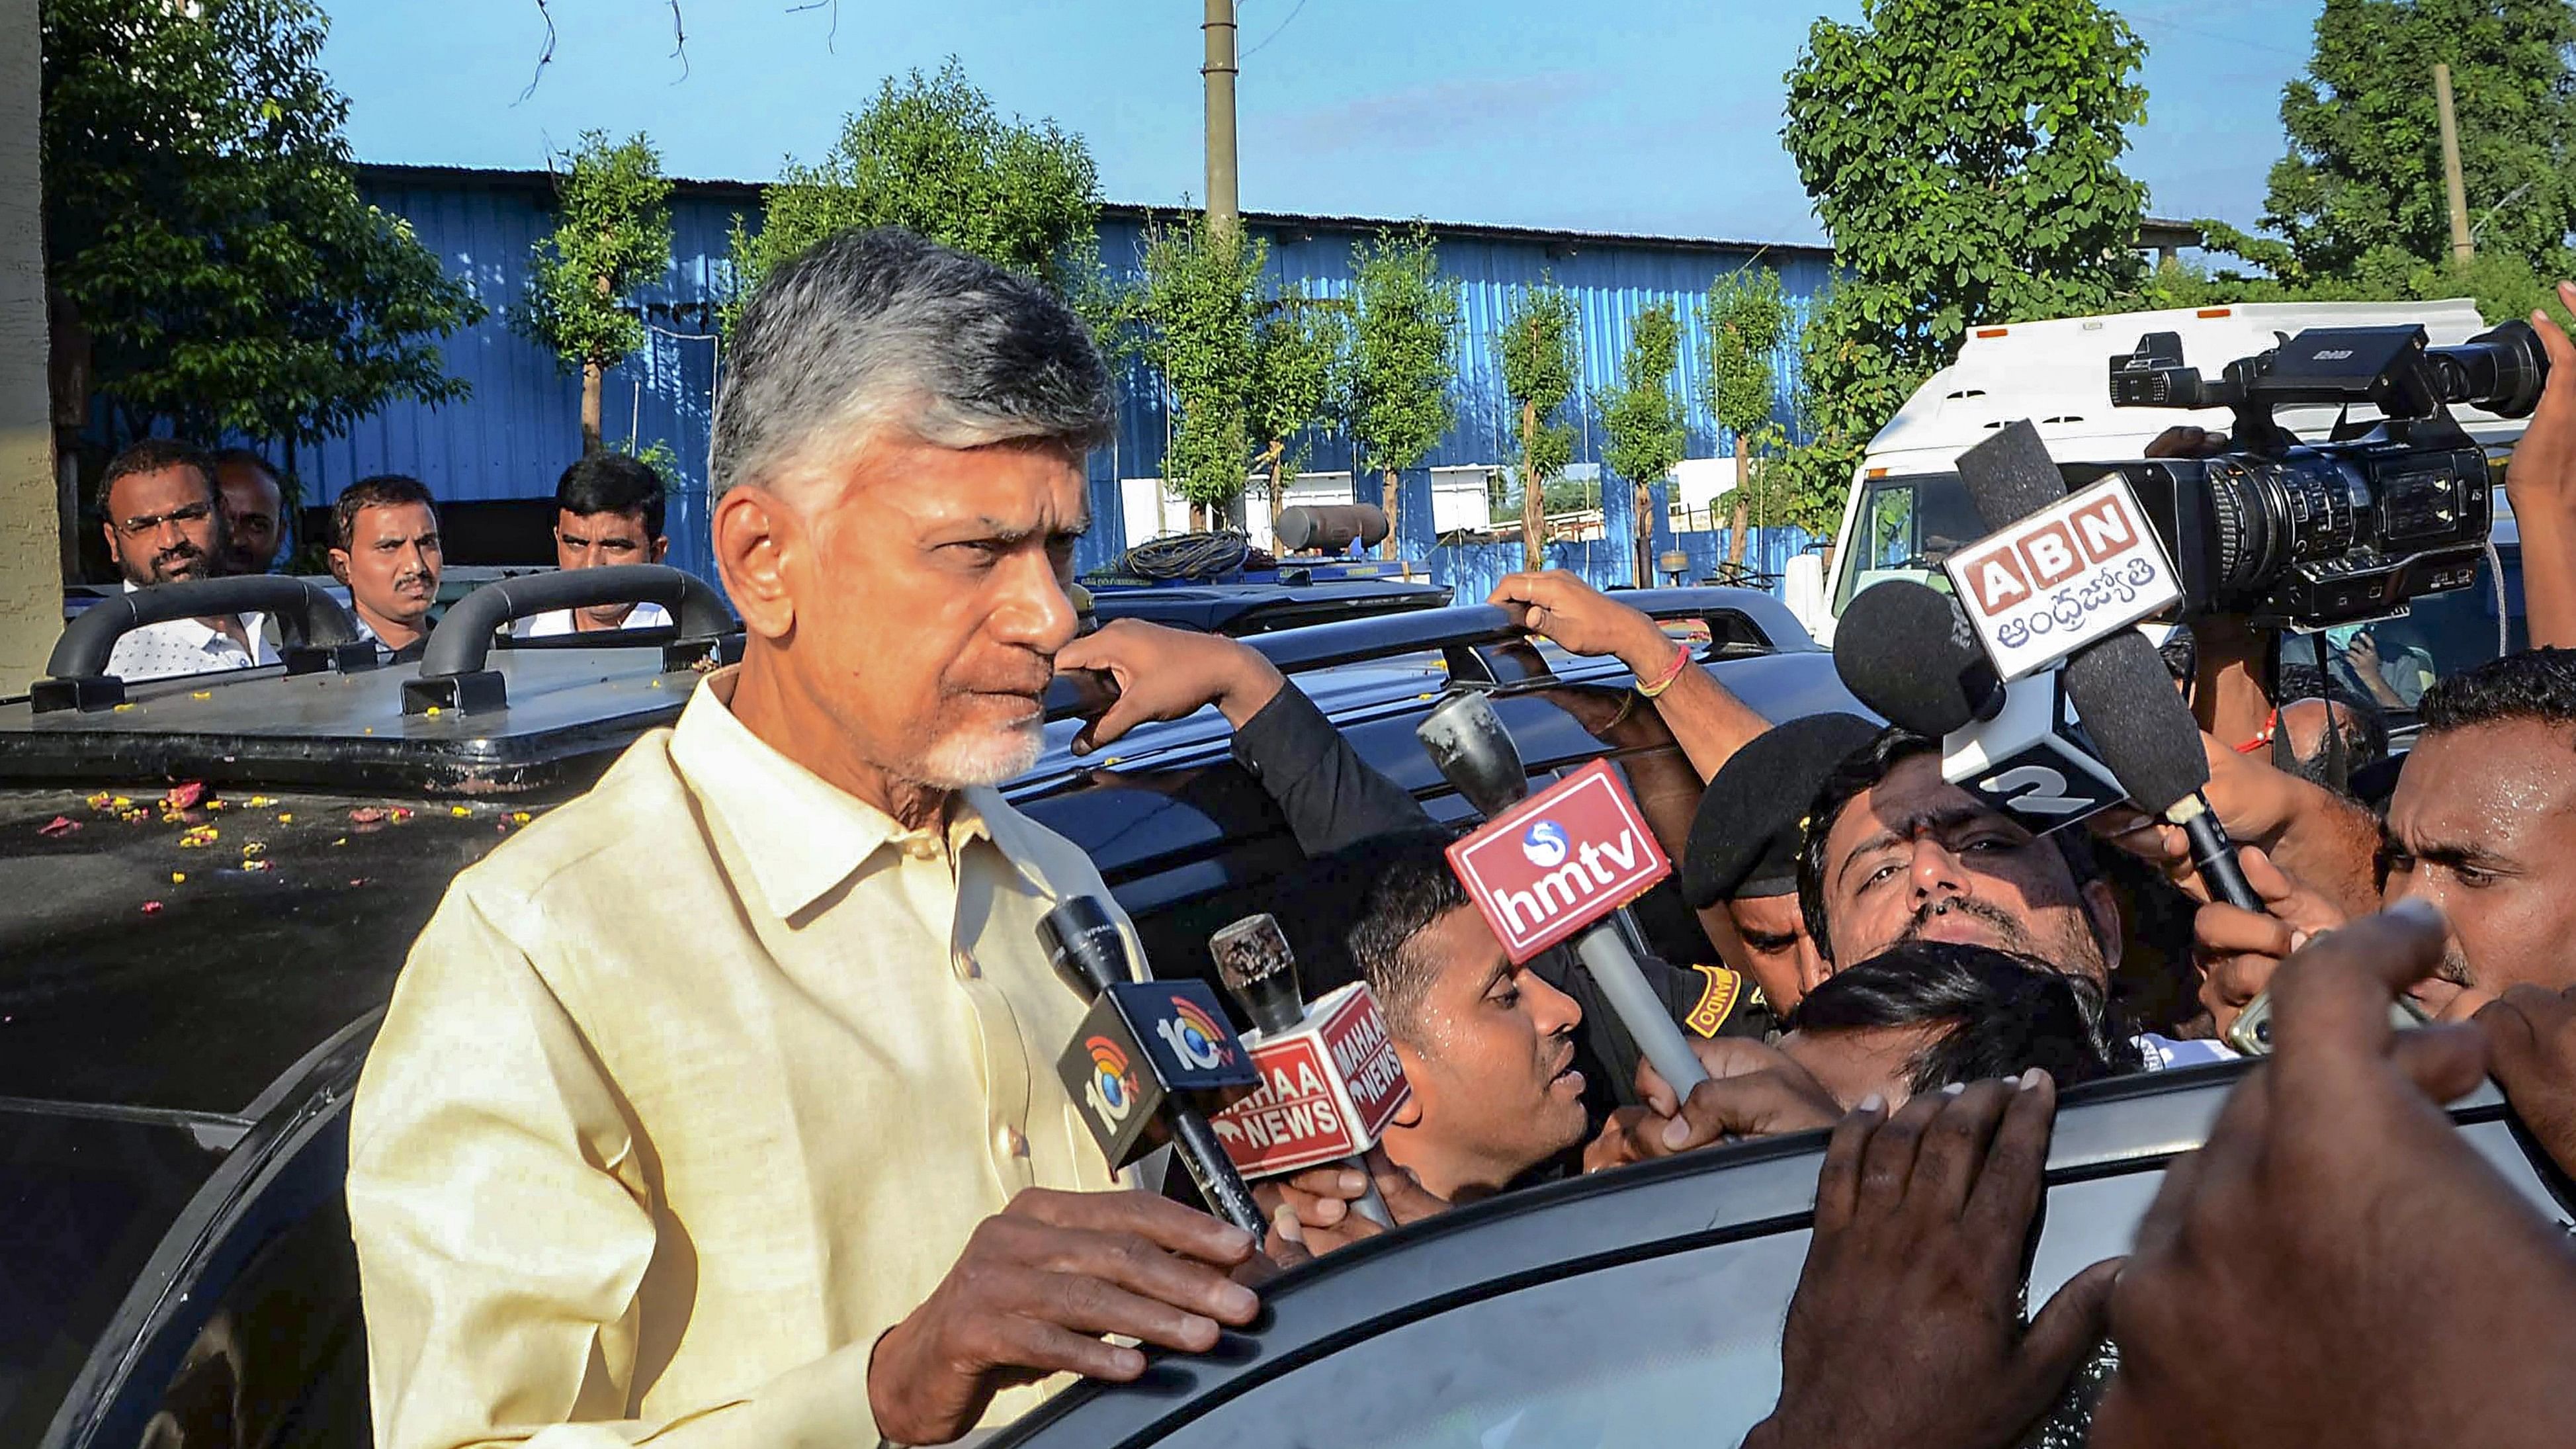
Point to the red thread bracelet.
(1681, 661)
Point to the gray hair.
(880, 328)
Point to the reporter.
(1906, 1328)
(2337, 1266)
(2483, 825)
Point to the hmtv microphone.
(1475, 754)
(1903, 649)
(2137, 720)
(1142, 1055)
(1331, 1083)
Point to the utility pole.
(2462, 247)
(1223, 217)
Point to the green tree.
(1195, 307)
(1848, 387)
(1642, 424)
(1748, 318)
(1964, 156)
(202, 220)
(614, 234)
(1539, 368)
(1403, 356)
(2360, 194)
(1297, 353)
(932, 155)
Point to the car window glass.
(2441, 635)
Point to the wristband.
(1681, 661)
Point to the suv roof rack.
(1485, 645)
(465, 720)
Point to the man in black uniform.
(1740, 871)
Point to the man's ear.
(661, 546)
(339, 559)
(1410, 1114)
(115, 555)
(756, 536)
(2103, 905)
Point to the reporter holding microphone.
(721, 1105)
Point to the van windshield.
(1907, 526)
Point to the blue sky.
(1656, 116)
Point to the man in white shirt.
(164, 522)
(719, 1106)
(608, 510)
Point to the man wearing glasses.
(164, 523)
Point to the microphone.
(1475, 754)
(1330, 1079)
(1910, 655)
(1174, 1029)
(2138, 723)
(1905, 651)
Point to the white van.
(1907, 510)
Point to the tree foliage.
(1195, 304)
(1297, 353)
(613, 235)
(1848, 387)
(1403, 354)
(2361, 194)
(202, 218)
(1644, 430)
(932, 155)
(1964, 155)
(1537, 351)
(1748, 318)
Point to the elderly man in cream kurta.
(719, 1106)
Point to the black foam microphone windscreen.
(1903, 649)
(2120, 688)
(2139, 724)
(2010, 475)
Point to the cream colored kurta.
(691, 1090)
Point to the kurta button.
(1014, 1143)
(966, 967)
(920, 848)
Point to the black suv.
(210, 883)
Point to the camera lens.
(2269, 514)
(2500, 370)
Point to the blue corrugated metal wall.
(522, 423)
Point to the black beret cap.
(1744, 840)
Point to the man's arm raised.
(1708, 722)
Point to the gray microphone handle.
(1614, 970)
(1370, 1205)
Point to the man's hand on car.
(2339, 1265)
(1581, 619)
(1311, 1211)
(1753, 1090)
(1906, 1328)
(2531, 1050)
(1038, 1286)
(1166, 674)
(2237, 950)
